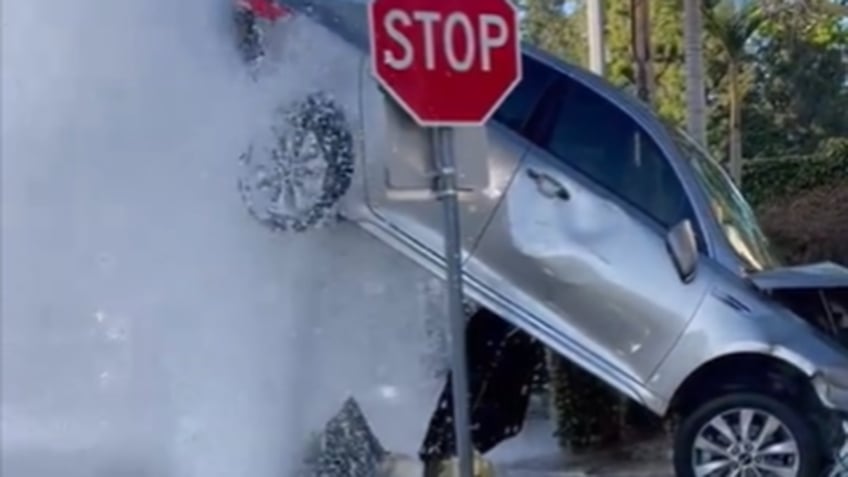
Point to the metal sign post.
(447, 191)
(448, 64)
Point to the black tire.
(794, 420)
(316, 125)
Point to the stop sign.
(446, 62)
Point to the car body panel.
(572, 263)
(392, 137)
(823, 275)
(737, 319)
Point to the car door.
(393, 141)
(578, 243)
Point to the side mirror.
(681, 245)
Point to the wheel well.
(742, 372)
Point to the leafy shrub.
(810, 225)
(803, 202)
(774, 179)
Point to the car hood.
(822, 275)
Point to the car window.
(519, 105)
(595, 137)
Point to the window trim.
(545, 125)
(605, 193)
(525, 129)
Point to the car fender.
(742, 322)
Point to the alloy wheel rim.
(745, 442)
(301, 168)
(285, 180)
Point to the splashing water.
(150, 326)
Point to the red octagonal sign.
(447, 62)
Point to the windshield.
(737, 218)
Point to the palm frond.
(733, 24)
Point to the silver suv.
(609, 236)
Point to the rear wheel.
(747, 434)
(293, 176)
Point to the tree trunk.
(595, 32)
(735, 122)
(640, 29)
(696, 104)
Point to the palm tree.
(693, 36)
(732, 23)
(827, 7)
(640, 31)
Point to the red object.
(447, 63)
(267, 9)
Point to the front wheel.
(747, 434)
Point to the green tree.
(560, 28)
(667, 53)
(782, 82)
(799, 96)
(695, 74)
(557, 27)
(732, 24)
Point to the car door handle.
(548, 186)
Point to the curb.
(583, 473)
(608, 467)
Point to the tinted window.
(518, 106)
(595, 137)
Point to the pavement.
(534, 453)
(642, 459)
(606, 464)
(348, 447)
